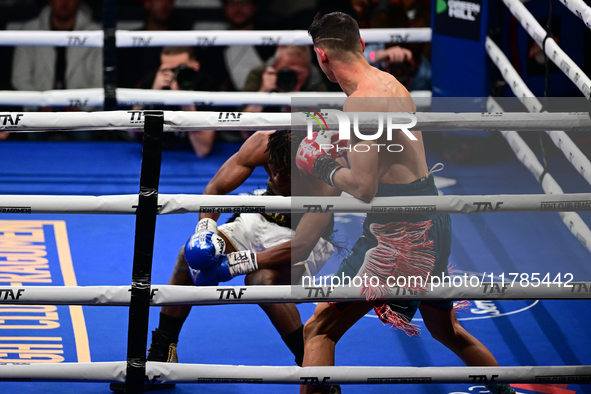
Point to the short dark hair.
(337, 31)
(283, 146)
(177, 50)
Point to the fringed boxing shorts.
(401, 250)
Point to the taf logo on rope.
(205, 41)
(318, 208)
(229, 117)
(398, 38)
(78, 102)
(10, 294)
(136, 116)
(319, 292)
(270, 40)
(141, 41)
(77, 41)
(225, 294)
(314, 380)
(487, 206)
(483, 378)
(8, 118)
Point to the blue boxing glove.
(205, 247)
(206, 277)
(237, 263)
(230, 266)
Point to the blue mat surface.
(101, 251)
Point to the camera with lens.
(287, 79)
(186, 77)
(402, 71)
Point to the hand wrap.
(325, 168)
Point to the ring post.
(145, 227)
(110, 54)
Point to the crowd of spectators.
(213, 68)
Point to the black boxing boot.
(162, 349)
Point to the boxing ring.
(150, 203)
(163, 295)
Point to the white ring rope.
(183, 203)
(572, 220)
(95, 97)
(460, 288)
(78, 38)
(580, 9)
(554, 52)
(126, 38)
(265, 37)
(60, 98)
(159, 372)
(529, 100)
(64, 372)
(188, 373)
(202, 120)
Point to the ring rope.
(125, 96)
(529, 100)
(467, 288)
(202, 120)
(551, 48)
(127, 38)
(184, 203)
(523, 152)
(580, 9)
(159, 372)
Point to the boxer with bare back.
(392, 245)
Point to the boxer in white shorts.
(251, 231)
(264, 247)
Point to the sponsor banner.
(15, 209)
(565, 206)
(210, 209)
(409, 209)
(33, 255)
(458, 18)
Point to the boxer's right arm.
(236, 170)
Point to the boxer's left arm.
(238, 168)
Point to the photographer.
(179, 70)
(289, 70)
